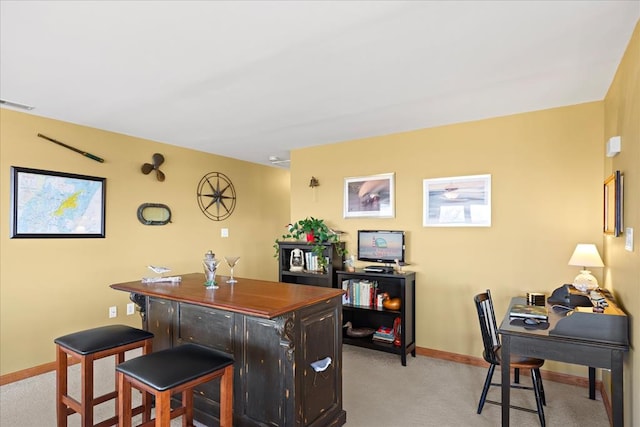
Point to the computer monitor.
(384, 246)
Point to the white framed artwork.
(369, 196)
(458, 201)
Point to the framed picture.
(369, 196)
(46, 204)
(459, 201)
(612, 223)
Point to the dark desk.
(582, 351)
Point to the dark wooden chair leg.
(535, 377)
(485, 389)
(544, 400)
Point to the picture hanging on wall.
(47, 204)
(369, 196)
(459, 201)
(613, 204)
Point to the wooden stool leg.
(61, 386)
(86, 394)
(226, 397)
(147, 400)
(147, 397)
(187, 403)
(163, 408)
(118, 359)
(124, 401)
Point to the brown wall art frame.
(612, 218)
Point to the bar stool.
(88, 346)
(175, 370)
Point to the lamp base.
(585, 282)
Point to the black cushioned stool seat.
(87, 346)
(171, 371)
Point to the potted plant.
(315, 232)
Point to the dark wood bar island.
(275, 331)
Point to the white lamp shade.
(585, 255)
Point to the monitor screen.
(381, 246)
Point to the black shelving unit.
(402, 285)
(325, 278)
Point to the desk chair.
(491, 354)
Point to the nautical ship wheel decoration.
(216, 196)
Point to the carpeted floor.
(377, 391)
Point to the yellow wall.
(50, 287)
(622, 117)
(546, 169)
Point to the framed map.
(47, 204)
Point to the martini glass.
(231, 262)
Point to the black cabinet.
(274, 381)
(397, 285)
(286, 341)
(325, 277)
(159, 320)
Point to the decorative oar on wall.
(84, 153)
(157, 159)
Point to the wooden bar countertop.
(258, 298)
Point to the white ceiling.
(250, 80)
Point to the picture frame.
(369, 196)
(612, 203)
(49, 204)
(457, 201)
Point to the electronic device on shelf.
(382, 246)
(378, 269)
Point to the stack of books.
(360, 293)
(521, 311)
(311, 261)
(384, 334)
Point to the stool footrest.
(114, 420)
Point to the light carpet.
(377, 391)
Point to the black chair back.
(488, 327)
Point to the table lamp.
(585, 255)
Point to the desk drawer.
(578, 353)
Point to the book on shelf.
(384, 334)
(383, 339)
(384, 330)
(529, 311)
(312, 262)
(360, 293)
